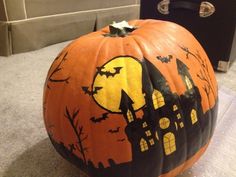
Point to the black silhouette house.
(170, 123)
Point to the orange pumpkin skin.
(143, 104)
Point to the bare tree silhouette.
(204, 71)
(185, 49)
(78, 130)
(57, 69)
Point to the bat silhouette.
(92, 92)
(165, 59)
(99, 119)
(114, 131)
(108, 73)
(121, 140)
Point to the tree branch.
(78, 148)
(204, 72)
(187, 51)
(78, 132)
(86, 137)
(57, 69)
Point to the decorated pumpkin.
(135, 99)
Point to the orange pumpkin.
(132, 100)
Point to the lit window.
(156, 134)
(176, 126)
(158, 99)
(148, 133)
(169, 143)
(143, 145)
(181, 124)
(151, 141)
(130, 116)
(178, 116)
(144, 124)
(188, 83)
(175, 107)
(164, 123)
(194, 116)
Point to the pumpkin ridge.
(90, 103)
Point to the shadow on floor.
(41, 160)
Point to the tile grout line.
(5, 8)
(224, 113)
(24, 7)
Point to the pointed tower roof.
(183, 71)
(157, 79)
(182, 68)
(125, 101)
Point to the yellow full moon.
(121, 73)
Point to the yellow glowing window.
(176, 126)
(164, 123)
(156, 134)
(169, 143)
(130, 116)
(143, 145)
(158, 99)
(148, 133)
(175, 107)
(188, 83)
(194, 116)
(179, 116)
(181, 124)
(151, 141)
(144, 124)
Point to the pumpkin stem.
(120, 29)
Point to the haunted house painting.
(171, 128)
(158, 130)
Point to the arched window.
(158, 99)
(188, 83)
(156, 134)
(143, 145)
(194, 116)
(169, 143)
(130, 116)
(176, 126)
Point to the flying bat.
(114, 131)
(165, 59)
(92, 92)
(108, 73)
(99, 119)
